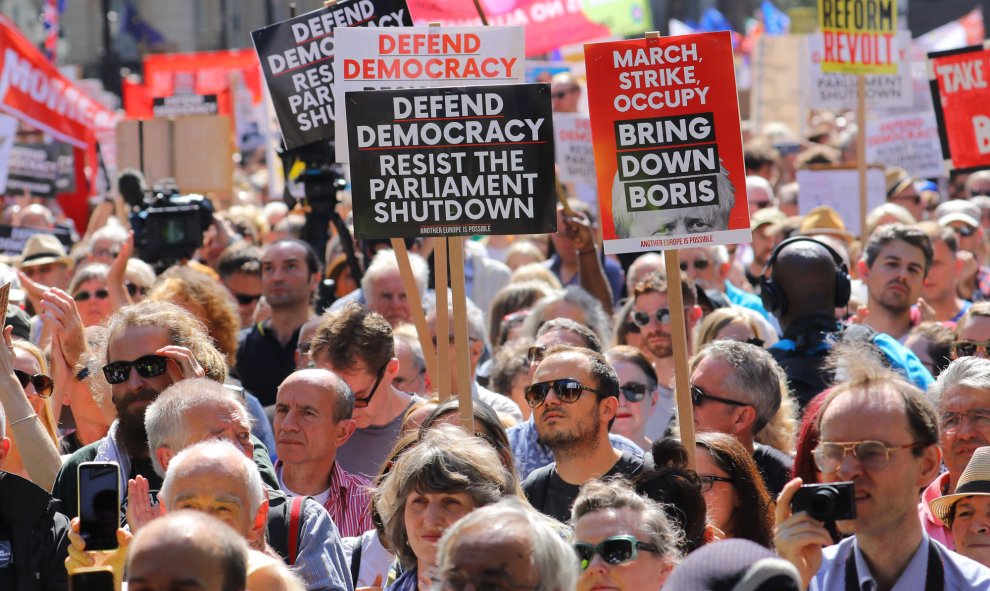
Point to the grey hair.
(446, 459)
(114, 232)
(385, 262)
(594, 314)
(406, 334)
(216, 452)
(554, 559)
(165, 420)
(475, 319)
(967, 372)
(97, 271)
(618, 494)
(756, 377)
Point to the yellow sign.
(804, 19)
(858, 36)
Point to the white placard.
(574, 149)
(8, 133)
(908, 141)
(839, 189)
(372, 58)
(838, 91)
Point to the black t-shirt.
(775, 467)
(262, 361)
(551, 495)
(7, 578)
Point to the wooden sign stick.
(678, 336)
(861, 152)
(462, 341)
(416, 308)
(443, 319)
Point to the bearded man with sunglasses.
(574, 396)
(149, 346)
(880, 433)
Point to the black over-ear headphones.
(773, 296)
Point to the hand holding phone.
(99, 504)
(92, 580)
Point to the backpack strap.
(356, 561)
(295, 513)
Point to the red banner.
(961, 93)
(205, 72)
(35, 92)
(668, 149)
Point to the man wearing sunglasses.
(149, 346)
(736, 390)
(239, 268)
(961, 396)
(880, 433)
(574, 396)
(565, 93)
(357, 345)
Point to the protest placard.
(418, 57)
(184, 104)
(452, 161)
(8, 133)
(575, 150)
(668, 149)
(961, 94)
(834, 185)
(41, 169)
(12, 240)
(777, 92)
(858, 36)
(909, 141)
(838, 91)
(296, 58)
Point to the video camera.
(168, 226)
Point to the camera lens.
(823, 503)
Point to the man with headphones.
(808, 280)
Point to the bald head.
(805, 271)
(213, 556)
(324, 381)
(216, 468)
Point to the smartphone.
(92, 580)
(99, 504)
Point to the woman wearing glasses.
(638, 394)
(623, 541)
(972, 334)
(89, 289)
(737, 500)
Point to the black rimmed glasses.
(149, 366)
(43, 385)
(364, 402)
(615, 550)
(634, 392)
(699, 396)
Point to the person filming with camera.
(881, 434)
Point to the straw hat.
(898, 179)
(975, 480)
(824, 220)
(41, 249)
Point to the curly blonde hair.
(206, 299)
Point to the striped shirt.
(348, 500)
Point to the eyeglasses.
(964, 230)
(535, 354)
(698, 264)
(458, 581)
(246, 300)
(641, 319)
(100, 294)
(364, 402)
(950, 422)
(149, 366)
(560, 94)
(699, 396)
(970, 348)
(634, 392)
(133, 289)
(43, 385)
(872, 455)
(709, 480)
(567, 390)
(614, 551)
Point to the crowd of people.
(265, 444)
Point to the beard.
(662, 348)
(566, 443)
(131, 435)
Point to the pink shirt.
(934, 527)
(349, 501)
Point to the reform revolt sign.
(297, 59)
(665, 123)
(451, 161)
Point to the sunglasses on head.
(614, 551)
(634, 392)
(699, 264)
(100, 294)
(43, 385)
(149, 366)
(641, 319)
(567, 390)
(245, 299)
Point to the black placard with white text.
(43, 170)
(452, 161)
(297, 59)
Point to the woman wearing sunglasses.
(89, 290)
(738, 501)
(623, 541)
(441, 479)
(638, 394)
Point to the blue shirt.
(530, 455)
(320, 560)
(613, 272)
(745, 299)
(961, 573)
